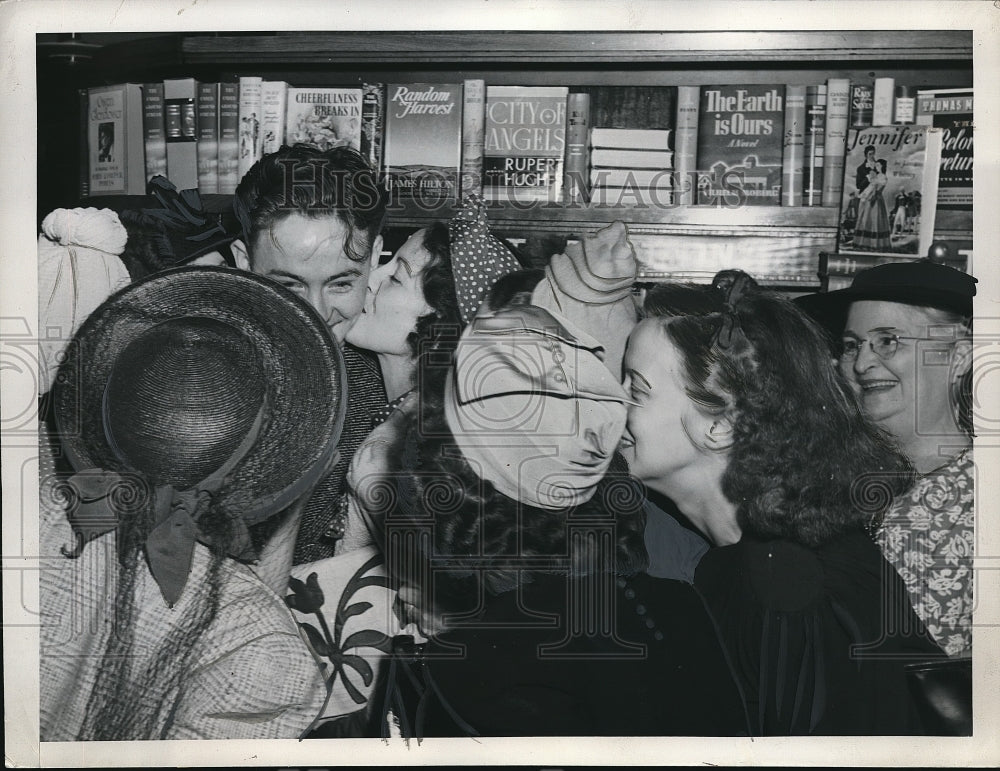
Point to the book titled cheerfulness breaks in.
(323, 117)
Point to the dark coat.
(516, 668)
(818, 637)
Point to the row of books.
(723, 145)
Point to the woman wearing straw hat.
(198, 408)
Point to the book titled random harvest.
(423, 139)
(740, 145)
(524, 143)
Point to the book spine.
(882, 101)
(861, 105)
(686, 143)
(838, 97)
(904, 105)
(631, 159)
(473, 136)
(631, 139)
(181, 125)
(229, 148)
(135, 145)
(208, 138)
(929, 189)
(83, 147)
(154, 137)
(373, 123)
(793, 152)
(661, 179)
(273, 95)
(249, 123)
(812, 183)
(575, 186)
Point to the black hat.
(922, 283)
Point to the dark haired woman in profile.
(520, 549)
(771, 458)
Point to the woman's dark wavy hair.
(315, 183)
(436, 332)
(805, 464)
(482, 532)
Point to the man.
(311, 221)
(861, 175)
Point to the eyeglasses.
(883, 345)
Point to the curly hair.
(437, 283)
(315, 183)
(805, 464)
(483, 533)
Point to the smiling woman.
(742, 421)
(907, 348)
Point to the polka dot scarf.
(478, 259)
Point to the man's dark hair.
(304, 180)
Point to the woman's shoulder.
(786, 575)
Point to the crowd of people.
(294, 487)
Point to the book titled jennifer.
(423, 139)
(116, 157)
(890, 189)
(740, 138)
(324, 117)
(523, 151)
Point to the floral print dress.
(928, 536)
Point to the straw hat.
(200, 380)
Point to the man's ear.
(239, 250)
(376, 251)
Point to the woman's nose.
(867, 358)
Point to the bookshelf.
(783, 242)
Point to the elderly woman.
(906, 346)
(741, 421)
(522, 535)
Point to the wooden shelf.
(548, 48)
(571, 217)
